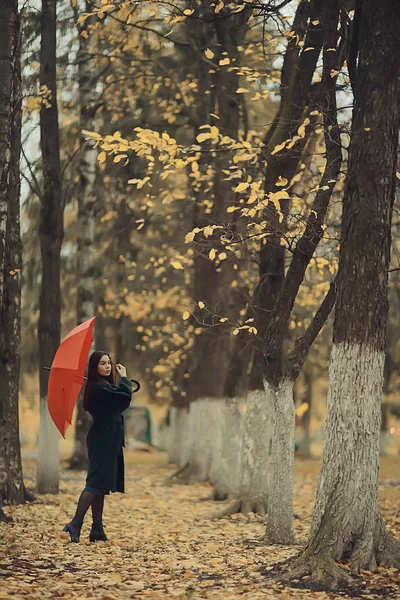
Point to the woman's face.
(104, 366)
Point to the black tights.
(87, 499)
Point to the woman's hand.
(121, 370)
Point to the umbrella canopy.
(67, 374)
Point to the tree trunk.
(11, 479)
(226, 477)
(306, 443)
(280, 498)
(51, 233)
(177, 422)
(203, 428)
(276, 292)
(253, 478)
(276, 374)
(212, 279)
(347, 522)
(85, 259)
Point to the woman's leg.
(97, 533)
(97, 511)
(74, 526)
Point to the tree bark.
(51, 233)
(281, 407)
(277, 291)
(11, 479)
(226, 484)
(212, 278)
(85, 259)
(306, 443)
(277, 375)
(347, 523)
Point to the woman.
(105, 401)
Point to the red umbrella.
(66, 374)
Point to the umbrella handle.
(137, 386)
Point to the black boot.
(97, 534)
(74, 530)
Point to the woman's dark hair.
(93, 375)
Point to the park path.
(162, 543)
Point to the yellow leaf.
(302, 129)
(222, 256)
(102, 157)
(278, 148)
(186, 315)
(281, 195)
(208, 231)
(236, 331)
(212, 253)
(202, 137)
(242, 91)
(176, 264)
(188, 12)
(189, 237)
(282, 181)
(219, 6)
(119, 157)
(232, 209)
(398, 175)
(209, 53)
(201, 304)
(241, 187)
(97, 136)
(224, 61)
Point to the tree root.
(4, 518)
(323, 573)
(29, 496)
(244, 506)
(178, 476)
(389, 550)
(186, 475)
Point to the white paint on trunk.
(346, 508)
(48, 465)
(184, 427)
(280, 498)
(176, 433)
(226, 467)
(215, 443)
(202, 435)
(255, 451)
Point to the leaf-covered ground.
(162, 543)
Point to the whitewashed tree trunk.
(227, 468)
(347, 491)
(203, 427)
(184, 427)
(176, 434)
(47, 479)
(85, 256)
(215, 439)
(280, 404)
(253, 489)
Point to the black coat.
(106, 435)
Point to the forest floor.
(162, 543)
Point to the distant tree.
(51, 231)
(11, 479)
